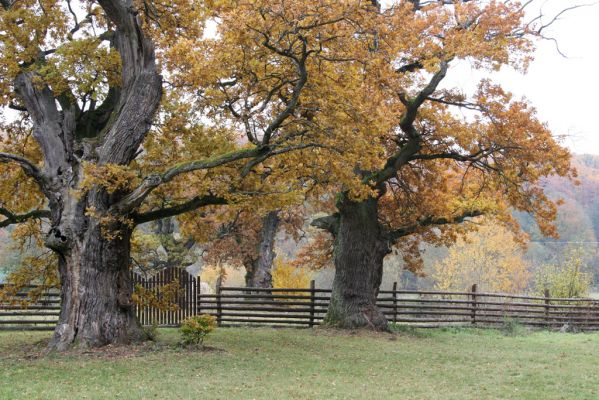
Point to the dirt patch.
(118, 352)
(39, 350)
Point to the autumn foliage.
(489, 257)
(220, 112)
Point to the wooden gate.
(186, 302)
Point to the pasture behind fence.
(307, 307)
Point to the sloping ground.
(305, 364)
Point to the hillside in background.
(577, 224)
(578, 218)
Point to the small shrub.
(151, 332)
(567, 280)
(195, 329)
(511, 327)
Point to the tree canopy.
(128, 111)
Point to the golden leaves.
(489, 257)
(332, 76)
(163, 298)
(111, 177)
(286, 275)
(83, 68)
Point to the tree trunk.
(259, 270)
(93, 250)
(360, 247)
(96, 308)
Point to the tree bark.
(360, 247)
(91, 236)
(96, 308)
(259, 270)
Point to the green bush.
(195, 329)
(567, 280)
(151, 332)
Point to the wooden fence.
(307, 307)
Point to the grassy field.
(304, 364)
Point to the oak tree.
(128, 113)
(434, 157)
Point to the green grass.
(278, 364)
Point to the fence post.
(198, 296)
(547, 301)
(219, 310)
(474, 287)
(394, 302)
(312, 302)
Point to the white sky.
(564, 90)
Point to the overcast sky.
(564, 90)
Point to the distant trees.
(489, 257)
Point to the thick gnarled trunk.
(360, 247)
(91, 228)
(94, 260)
(259, 270)
(96, 307)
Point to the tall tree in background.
(437, 156)
(87, 79)
(247, 240)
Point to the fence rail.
(307, 307)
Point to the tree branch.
(330, 223)
(300, 64)
(28, 167)
(429, 221)
(414, 104)
(12, 218)
(47, 120)
(413, 145)
(259, 154)
(190, 205)
(141, 87)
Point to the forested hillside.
(577, 224)
(578, 218)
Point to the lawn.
(278, 364)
